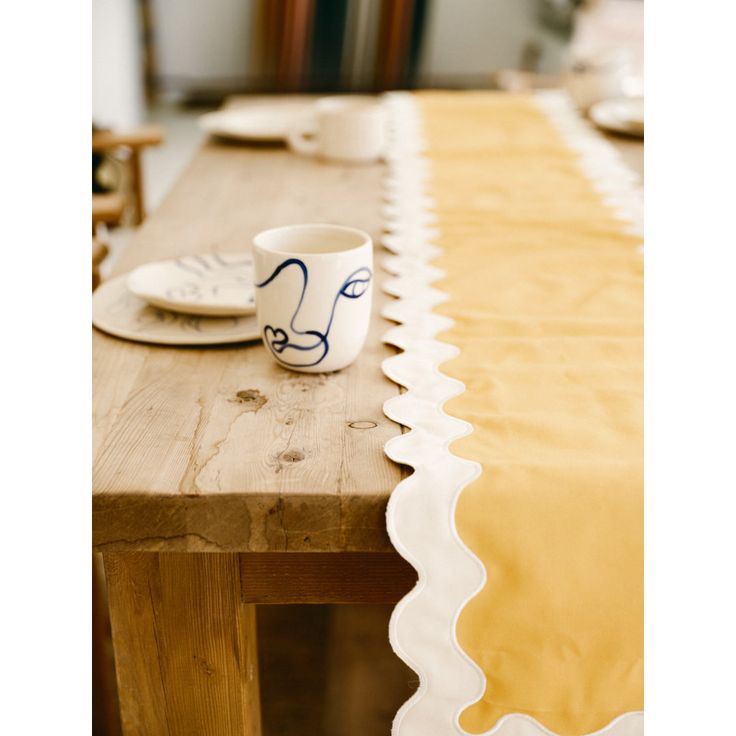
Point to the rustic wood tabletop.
(220, 449)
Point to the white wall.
(470, 39)
(117, 77)
(202, 41)
(206, 44)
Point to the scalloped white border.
(421, 509)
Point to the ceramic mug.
(348, 129)
(313, 294)
(592, 76)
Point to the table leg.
(185, 644)
(105, 709)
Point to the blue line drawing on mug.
(278, 339)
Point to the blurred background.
(165, 62)
(192, 50)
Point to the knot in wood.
(204, 665)
(291, 456)
(251, 398)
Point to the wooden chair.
(133, 142)
(109, 208)
(99, 253)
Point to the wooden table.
(211, 464)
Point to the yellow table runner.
(545, 290)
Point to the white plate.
(117, 311)
(256, 121)
(209, 284)
(621, 115)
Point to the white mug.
(592, 76)
(313, 294)
(350, 129)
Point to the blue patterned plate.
(210, 284)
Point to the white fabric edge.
(620, 187)
(421, 510)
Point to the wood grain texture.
(220, 449)
(185, 645)
(330, 577)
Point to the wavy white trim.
(517, 724)
(620, 188)
(421, 509)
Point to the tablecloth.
(516, 240)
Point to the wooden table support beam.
(324, 577)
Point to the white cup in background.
(349, 129)
(592, 75)
(313, 294)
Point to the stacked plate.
(620, 115)
(204, 299)
(256, 121)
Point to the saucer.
(209, 284)
(119, 312)
(620, 115)
(256, 121)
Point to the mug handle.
(305, 125)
